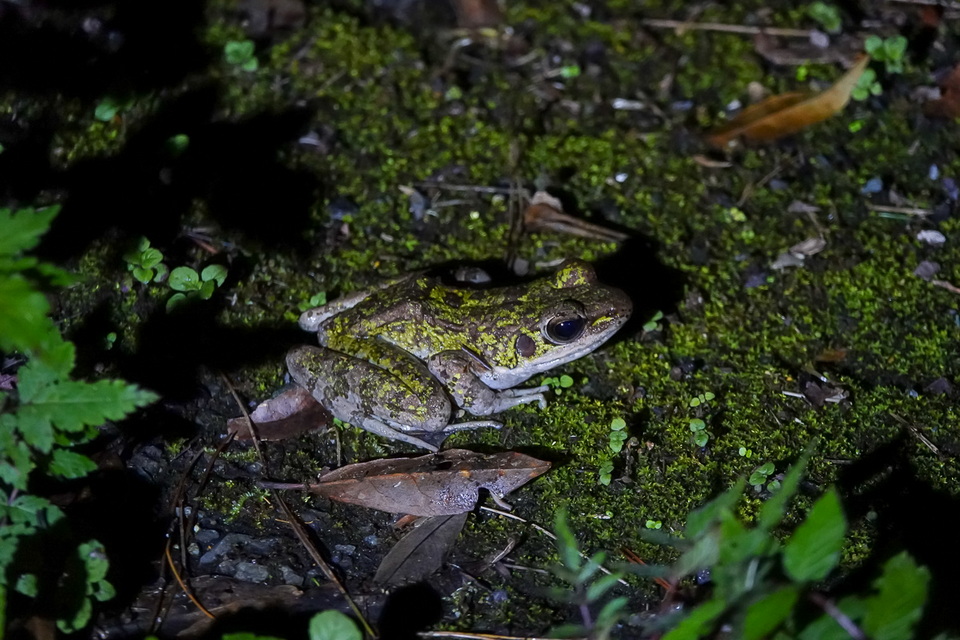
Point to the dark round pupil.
(566, 330)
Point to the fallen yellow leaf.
(787, 113)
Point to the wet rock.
(289, 576)
(250, 572)
(230, 543)
(147, 463)
(207, 536)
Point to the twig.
(246, 418)
(479, 636)
(919, 436)
(549, 535)
(910, 211)
(298, 529)
(183, 585)
(680, 25)
(467, 187)
(840, 617)
(946, 285)
(929, 3)
(749, 189)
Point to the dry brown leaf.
(289, 414)
(477, 14)
(421, 552)
(545, 213)
(436, 484)
(787, 113)
(948, 105)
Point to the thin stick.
(840, 617)
(946, 285)
(467, 187)
(478, 636)
(549, 535)
(246, 418)
(298, 529)
(929, 3)
(183, 585)
(910, 211)
(724, 28)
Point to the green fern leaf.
(21, 230)
(70, 464)
(23, 315)
(71, 405)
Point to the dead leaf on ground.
(437, 484)
(421, 552)
(948, 105)
(289, 414)
(545, 213)
(787, 113)
(477, 14)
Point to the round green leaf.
(150, 258)
(184, 279)
(206, 289)
(175, 301)
(106, 110)
(215, 272)
(333, 625)
(143, 275)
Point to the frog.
(406, 356)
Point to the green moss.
(383, 92)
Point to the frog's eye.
(564, 329)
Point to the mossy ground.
(396, 106)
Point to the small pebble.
(931, 237)
(874, 185)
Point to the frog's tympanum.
(399, 358)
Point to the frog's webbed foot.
(526, 396)
(492, 401)
(382, 429)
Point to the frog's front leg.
(457, 370)
(382, 390)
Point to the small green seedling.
(109, 107)
(827, 15)
(746, 453)
(703, 398)
(889, 51)
(316, 300)
(605, 473)
(109, 340)
(618, 434)
(700, 434)
(653, 324)
(146, 263)
(177, 144)
(558, 383)
(867, 86)
(760, 476)
(239, 53)
(653, 524)
(194, 285)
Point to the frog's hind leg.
(382, 429)
(385, 391)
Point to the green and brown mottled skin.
(403, 356)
